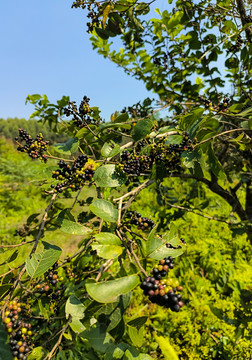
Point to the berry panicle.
(19, 330)
(137, 162)
(143, 223)
(164, 292)
(75, 176)
(82, 116)
(35, 148)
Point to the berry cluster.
(163, 292)
(73, 177)
(69, 273)
(237, 46)
(49, 286)
(82, 116)
(206, 102)
(168, 156)
(224, 104)
(135, 164)
(19, 331)
(93, 15)
(142, 223)
(139, 109)
(93, 12)
(162, 61)
(34, 147)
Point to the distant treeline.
(9, 129)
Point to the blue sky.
(45, 49)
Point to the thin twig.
(58, 158)
(119, 213)
(16, 245)
(220, 42)
(76, 254)
(43, 223)
(135, 256)
(124, 244)
(49, 356)
(103, 268)
(76, 197)
(196, 213)
(218, 135)
(8, 272)
(136, 190)
(12, 289)
(133, 195)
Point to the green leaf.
(38, 264)
(247, 125)
(133, 354)
(138, 322)
(174, 139)
(108, 291)
(245, 112)
(69, 147)
(107, 238)
(77, 326)
(121, 118)
(4, 288)
(98, 337)
(33, 98)
(110, 150)
(108, 251)
(166, 348)
(215, 165)
(104, 210)
(188, 120)
(115, 351)
(74, 307)
(103, 34)
(136, 336)
(142, 129)
(84, 132)
(107, 176)
(37, 354)
(44, 309)
(156, 246)
(5, 353)
(68, 224)
(11, 258)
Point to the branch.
(134, 194)
(218, 135)
(135, 256)
(8, 272)
(196, 213)
(16, 245)
(103, 268)
(231, 199)
(220, 42)
(124, 244)
(242, 11)
(42, 225)
(136, 191)
(49, 356)
(76, 254)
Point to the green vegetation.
(9, 129)
(131, 239)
